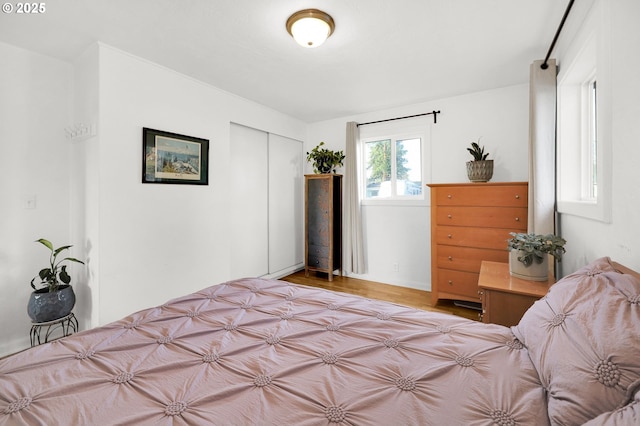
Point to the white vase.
(534, 272)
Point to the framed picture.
(172, 158)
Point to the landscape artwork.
(177, 159)
(172, 158)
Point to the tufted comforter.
(266, 352)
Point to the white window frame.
(589, 157)
(394, 131)
(586, 61)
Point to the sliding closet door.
(249, 202)
(286, 227)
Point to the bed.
(268, 352)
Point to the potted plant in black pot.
(480, 169)
(529, 254)
(56, 299)
(325, 160)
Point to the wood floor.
(402, 295)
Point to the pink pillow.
(625, 416)
(583, 338)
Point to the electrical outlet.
(396, 267)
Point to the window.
(393, 168)
(590, 191)
(393, 165)
(583, 131)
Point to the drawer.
(318, 256)
(504, 196)
(504, 308)
(468, 259)
(318, 262)
(493, 238)
(487, 217)
(318, 250)
(457, 282)
(318, 231)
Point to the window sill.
(395, 203)
(587, 209)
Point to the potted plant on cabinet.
(479, 169)
(529, 254)
(56, 299)
(324, 160)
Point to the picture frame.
(171, 158)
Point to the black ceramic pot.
(47, 306)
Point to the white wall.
(402, 234)
(85, 168)
(144, 244)
(162, 241)
(35, 101)
(620, 239)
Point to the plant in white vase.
(529, 254)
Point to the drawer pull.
(450, 282)
(449, 236)
(449, 196)
(517, 219)
(449, 216)
(450, 258)
(517, 197)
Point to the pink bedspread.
(264, 352)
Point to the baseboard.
(284, 272)
(417, 285)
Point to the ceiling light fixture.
(310, 27)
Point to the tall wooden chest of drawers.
(471, 222)
(323, 223)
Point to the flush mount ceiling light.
(310, 27)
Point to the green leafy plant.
(324, 160)
(56, 273)
(477, 152)
(534, 247)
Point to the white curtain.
(542, 148)
(542, 152)
(353, 257)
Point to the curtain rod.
(435, 118)
(544, 65)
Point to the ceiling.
(382, 54)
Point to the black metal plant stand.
(68, 325)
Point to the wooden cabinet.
(471, 222)
(323, 223)
(505, 298)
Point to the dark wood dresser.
(323, 224)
